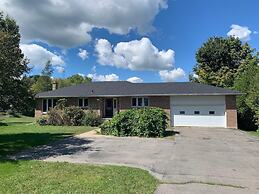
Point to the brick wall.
(123, 103)
(231, 112)
(154, 101)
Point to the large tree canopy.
(218, 60)
(13, 66)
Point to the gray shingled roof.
(124, 88)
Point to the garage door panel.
(204, 115)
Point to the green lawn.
(31, 176)
(43, 177)
(17, 134)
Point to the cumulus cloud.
(195, 75)
(241, 32)
(83, 54)
(171, 75)
(109, 77)
(39, 55)
(69, 23)
(134, 55)
(135, 80)
(60, 69)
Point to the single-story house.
(186, 103)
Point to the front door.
(108, 107)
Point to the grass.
(17, 134)
(30, 176)
(42, 177)
(254, 133)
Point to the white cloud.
(241, 32)
(83, 54)
(81, 74)
(172, 75)
(134, 55)
(69, 23)
(195, 75)
(60, 69)
(93, 69)
(109, 77)
(38, 55)
(135, 80)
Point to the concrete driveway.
(197, 160)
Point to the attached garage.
(202, 111)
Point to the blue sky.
(179, 27)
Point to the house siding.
(161, 102)
(231, 112)
(123, 103)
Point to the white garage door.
(204, 111)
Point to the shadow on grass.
(11, 144)
(12, 123)
(3, 124)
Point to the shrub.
(55, 117)
(92, 119)
(147, 122)
(73, 116)
(42, 121)
(13, 113)
(64, 116)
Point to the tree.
(13, 66)
(219, 59)
(247, 81)
(73, 80)
(44, 82)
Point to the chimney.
(54, 85)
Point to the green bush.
(56, 117)
(73, 116)
(146, 122)
(42, 121)
(92, 119)
(68, 116)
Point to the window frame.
(212, 112)
(137, 102)
(83, 102)
(182, 112)
(51, 100)
(196, 112)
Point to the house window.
(47, 104)
(83, 102)
(182, 112)
(134, 102)
(212, 112)
(114, 103)
(139, 102)
(146, 102)
(196, 112)
(44, 105)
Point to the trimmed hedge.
(146, 122)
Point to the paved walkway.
(197, 160)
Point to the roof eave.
(184, 94)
